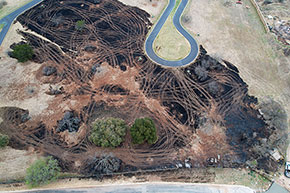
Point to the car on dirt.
(287, 169)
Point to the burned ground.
(202, 111)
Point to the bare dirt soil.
(20, 88)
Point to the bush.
(22, 53)
(109, 132)
(4, 140)
(143, 130)
(42, 171)
(80, 24)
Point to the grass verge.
(244, 177)
(1, 26)
(6, 10)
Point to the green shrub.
(4, 140)
(143, 130)
(109, 132)
(42, 171)
(80, 24)
(22, 53)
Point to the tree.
(42, 171)
(80, 24)
(4, 140)
(22, 52)
(143, 130)
(108, 132)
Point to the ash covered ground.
(203, 112)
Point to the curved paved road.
(8, 20)
(153, 188)
(176, 21)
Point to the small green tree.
(143, 130)
(108, 132)
(80, 24)
(4, 140)
(22, 53)
(42, 171)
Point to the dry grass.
(13, 163)
(241, 177)
(22, 76)
(153, 7)
(170, 44)
(236, 34)
(11, 6)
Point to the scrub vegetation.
(42, 171)
(109, 132)
(80, 24)
(4, 140)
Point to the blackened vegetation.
(115, 89)
(13, 125)
(118, 29)
(244, 132)
(70, 122)
(191, 92)
(231, 66)
(102, 165)
(14, 115)
(48, 70)
(115, 33)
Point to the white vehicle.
(287, 169)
